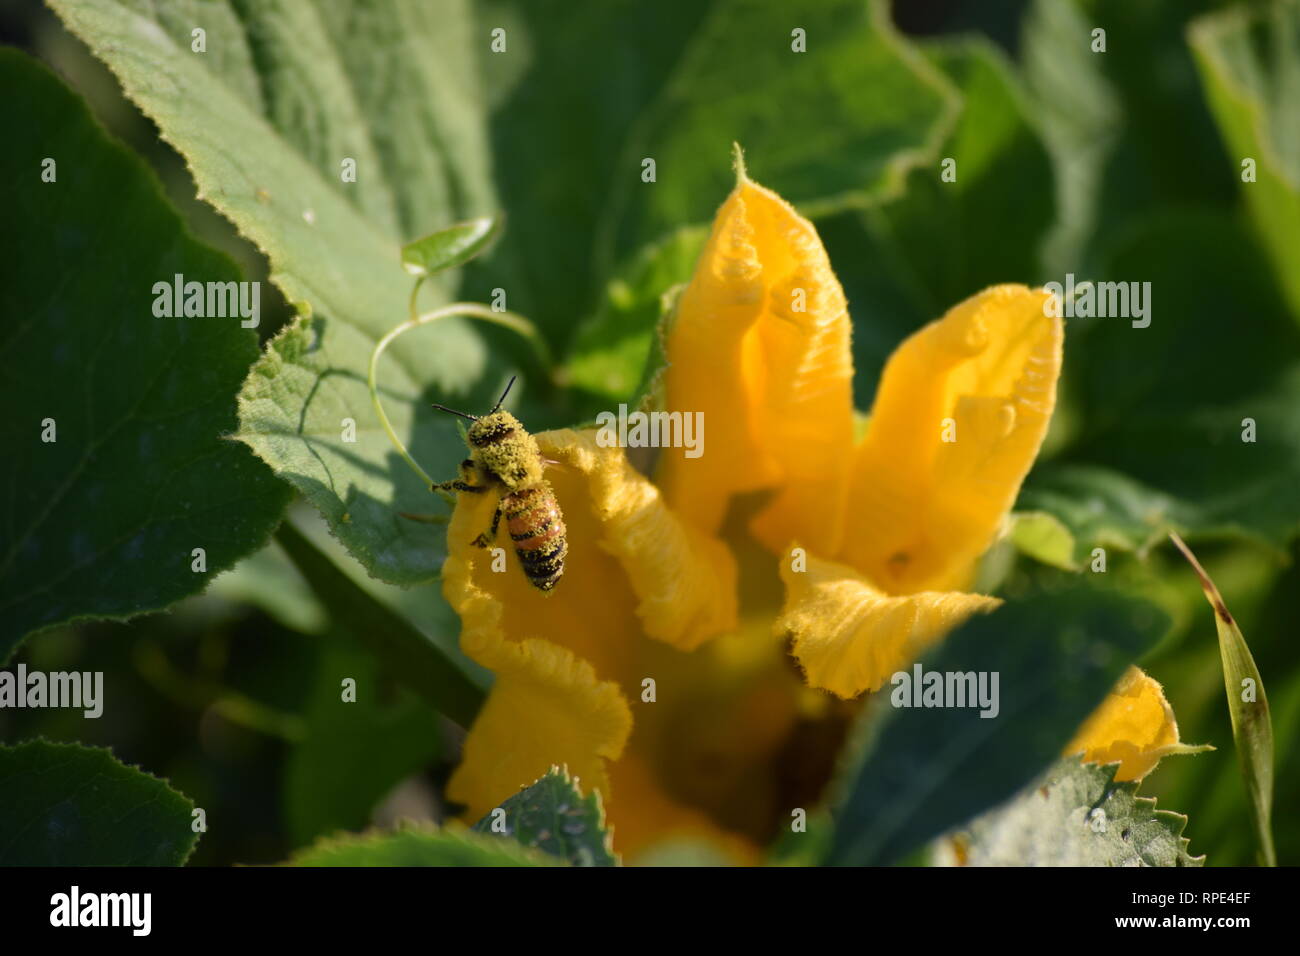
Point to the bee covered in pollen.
(505, 459)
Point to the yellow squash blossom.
(681, 667)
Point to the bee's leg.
(485, 540)
(458, 484)
(468, 471)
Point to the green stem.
(200, 694)
(472, 310)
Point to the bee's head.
(492, 429)
(505, 449)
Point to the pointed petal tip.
(738, 164)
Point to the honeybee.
(505, 459)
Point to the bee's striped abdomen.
(536, 527)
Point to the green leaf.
(415, 847)
(1249, 61)
(69, 805)
(1252, 725)
(1079, 113)
(1211, 431)
(295, 413)
(102, 520)
(415, 660)
(1057, 654)
(581, 101)
(553, 816)
(268, 580)
(1074, 815)
(300, 87)
(355, 751)
(1041, 536)
(909, 258)
(859, 109)
(1096, 508)
(1002, 186)
(450, 247)
(806, 847)
(1127, 128)
(612, 350)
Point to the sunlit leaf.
(1249, 59)
(450, 247)
(1074, 815)
(553, 816)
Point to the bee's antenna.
(444, 408)
(503, 394)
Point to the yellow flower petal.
(849, 637)
(546, 707)
(684, 580)
(644, 817)
(1134, 727)
(760, 346)
(921, 509)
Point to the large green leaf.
(1160, 407)
(416, 847)
(986, 225)
(1151, 419)
(927, 770)
(69, 805)
(103, 520)
(907, 260)
(1249, 59)
(845, 119)
(1074, 815)
(1126, 127)
(1078, 110)
(553, 816)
